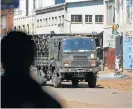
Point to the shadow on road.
(69, 85)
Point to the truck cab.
(73, 58)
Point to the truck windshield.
(79, 44)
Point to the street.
(65, 43)
(82, 96)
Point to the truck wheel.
(43, 84)
(92, 79)
(42, 81)
(75, 82)
(57, 84)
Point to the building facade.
(60, 16)
(118, 21)
(6, 21)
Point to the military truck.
(69, 58)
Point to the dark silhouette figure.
(18, 89)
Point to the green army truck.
(70, 58)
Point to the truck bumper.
(78, 70)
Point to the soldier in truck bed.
(18, 89)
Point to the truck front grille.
(80, 57)
(80, 64)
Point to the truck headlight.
(66, 65)
(92, 56)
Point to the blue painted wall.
(128, 56)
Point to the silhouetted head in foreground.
(17, 53)
(18, 89)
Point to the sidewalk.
(111, 72)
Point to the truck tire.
(75, 82)
(43, 83)
(92, 79)
(57, 84)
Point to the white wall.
(85, 8)
(48, 29)
(44, 3)
(119, 19)
(20, 17)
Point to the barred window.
(76, 18)
(88, 18)
(99, 18)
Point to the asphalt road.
(110, 98)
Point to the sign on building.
(8, 4)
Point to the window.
(49, 21)
(40, 22)
(88, 18)
(15, 28)
(46, 22)
(43, 22)
(23, 27)
(28, 29)
(27, 7)
(34, 4)
(62, 18)
(99, 18)
(52, 21)
(19, 28)
(59, 19)
(55, 21)
(37, 23)
(76, 18)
